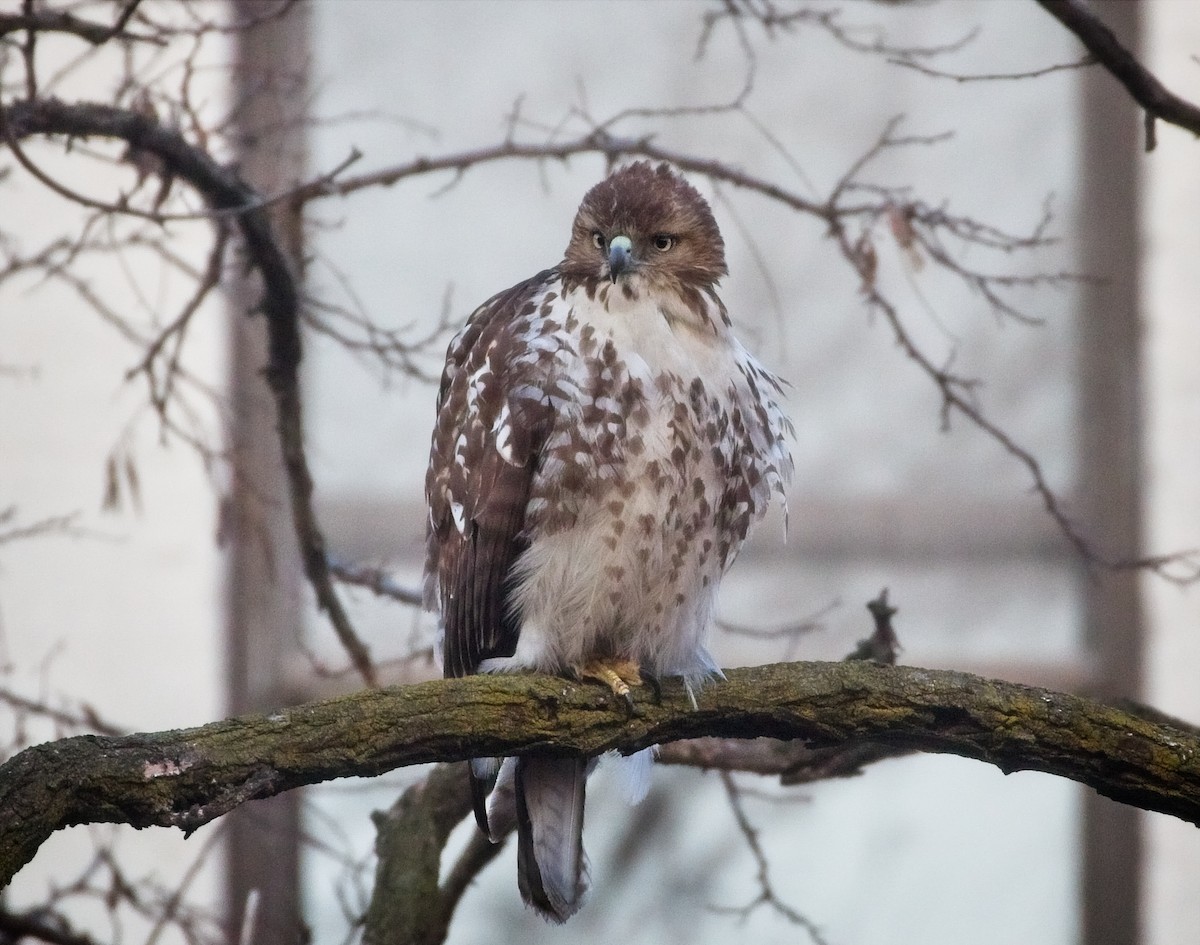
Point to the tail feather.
(551, 866)
(501, 813)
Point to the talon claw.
(617, 675)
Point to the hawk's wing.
(491, 422)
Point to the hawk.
(602, 444)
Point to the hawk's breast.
(664, 445)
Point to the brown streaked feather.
(467, 469)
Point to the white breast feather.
(634, 571)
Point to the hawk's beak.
(620, 255)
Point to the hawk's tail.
(551, 866)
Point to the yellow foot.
(618, 675)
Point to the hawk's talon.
(617, 675)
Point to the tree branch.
(407, 903)
(53, 21)
(16, 927)
(913, 224)
(223, 190)
(1118, 61)
(794, 762)
(187, 778)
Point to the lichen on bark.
(189, 777)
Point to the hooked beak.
(620, 256)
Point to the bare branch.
(224, 190)
(39, 925)
(375, 579)
(155, 214)
(791, 632)
(1181, 567)
(862, 39)
(792, 762)
(84, 718)
(1123, 65)
(35, 20)
(994, 76)
(766, 895)
(162, 385)
(795, 762)
(882, 646)
(53, 525)
(920, 224)
(408, 904)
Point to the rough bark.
(187, 778)
(408, 903)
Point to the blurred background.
(182, 601)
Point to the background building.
(147, 618)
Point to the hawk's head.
(646, 222)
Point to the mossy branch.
(188, 777)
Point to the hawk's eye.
(598, 240)
(663, 242)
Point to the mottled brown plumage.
(602, 444)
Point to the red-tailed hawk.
(602, 444)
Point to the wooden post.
(1109, 444)
(265, 577)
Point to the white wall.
(1171, 313)
(125, 614)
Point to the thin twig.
(773, 20)
(55, 21)
(994, 76)
(767, 895)
(52, 525)
(223, 190)
(376, 580)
